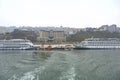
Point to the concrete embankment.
(54, 46)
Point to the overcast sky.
(68, 13)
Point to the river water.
(60, 65)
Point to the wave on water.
(29, 75)
(69, 75)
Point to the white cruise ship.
(99, 43)
(16, 44)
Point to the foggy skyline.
(68, 13)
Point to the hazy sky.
(68, 13)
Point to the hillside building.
(52, 36)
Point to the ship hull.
(32, 48)
(84, 48)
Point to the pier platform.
(54, 46)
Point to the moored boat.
(16, 44)
(99, 43)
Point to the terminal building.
(51, 36)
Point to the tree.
(23, 34)
(88, 34)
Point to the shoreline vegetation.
(77, 37)
(80, 36)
